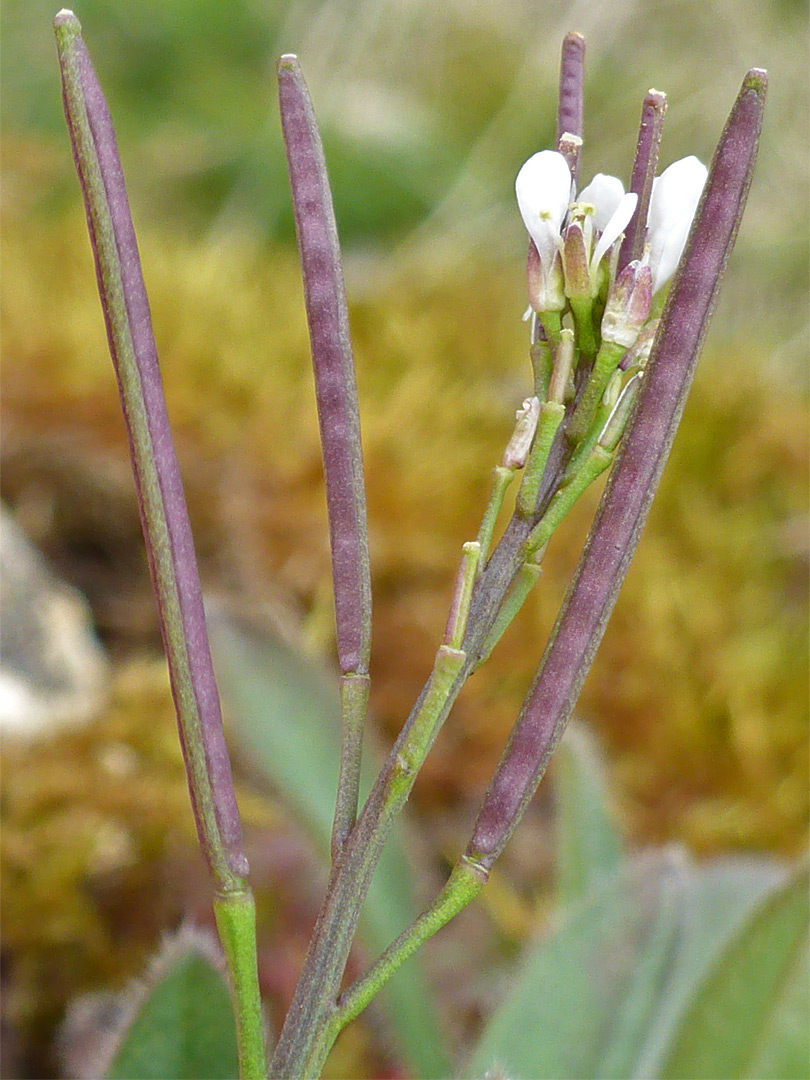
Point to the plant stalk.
(166, 528)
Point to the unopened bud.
(628, 305)
(517, 449)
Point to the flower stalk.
(166, 528)
(551, 415)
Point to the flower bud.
(628, 305)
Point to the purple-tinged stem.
(339, 420)
(625, 503)
(162, 505)
(645, 164)
(571, 98)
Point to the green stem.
(525, 581)
(606, 363)
(598, 460)
(551, 414)
(551, 321)
(607, 427)
(307, 1035)
(585, 466)
(586, 336)
(501, 479)
(353, 701)
(465, 883)
(542, 365)
(585, 447)
(414, 750)
(235, 915)
(460, 606)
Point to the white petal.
(678, 185)
(604, 193)
(543, 189)
(614, 227)
(675, 195)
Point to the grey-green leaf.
(784, 1053)
(588, 843)
(736, 1014)
(606, 993)
(182, 1027)
(582, 986)
(721, 895)
(286, 719)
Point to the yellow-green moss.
(699, 686)
(92, 821)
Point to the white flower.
(612, 212)
(543, 189)
(675, 196)
(544, 193)
(604, 193)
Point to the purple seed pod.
(333, 365)
(645, 164)
(571, 99)
(164, 518)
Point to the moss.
(96, 823)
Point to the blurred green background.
(427, 112)
(699, 693)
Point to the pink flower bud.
(628, 305)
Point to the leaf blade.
(182, 1025)
(588, 844)
(740, 992)
(606, 993)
